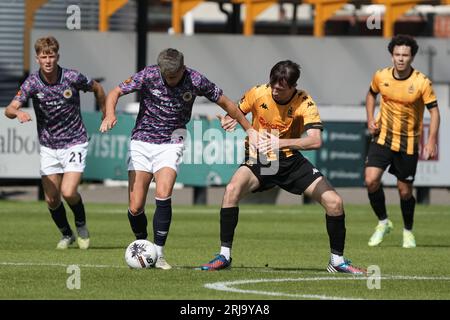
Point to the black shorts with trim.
(402, 165)
(293, 174)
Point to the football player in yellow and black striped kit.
(282, 114)
(396, 130)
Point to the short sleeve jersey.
(57, 107)
(402, 107)
(164, 109)
(288, 121)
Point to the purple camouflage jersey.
(57, 107)
(164, 109)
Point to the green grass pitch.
(280, 252)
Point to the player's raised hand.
(23, 116)
(227, 123)
(108, 123)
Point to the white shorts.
(72, 159)
(150, 157)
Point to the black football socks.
(407, 207)
(138, 224)
(228, 223)
(79, 213)
(161, 221)
(336, 233)
(378, 203)
(60, 219)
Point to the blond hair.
(46, 45)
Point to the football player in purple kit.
(167, 93)
(62, 135)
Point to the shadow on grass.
(106, 248)
(258, 268)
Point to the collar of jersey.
(58, 81)
(409, 75)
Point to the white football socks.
(226, 252)
(336, 260)
(159, 251)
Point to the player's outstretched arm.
(110, 110)
(233, 111)
(100, 96)
(13, 111)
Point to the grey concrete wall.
(335, 70)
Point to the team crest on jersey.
(411, 89)
(67, 93)
(187, 96)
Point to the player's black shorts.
(293, 174)
(402, 165)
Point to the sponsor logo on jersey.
(187, 96)
(269, 125)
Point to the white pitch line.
(229, 285)
(31, 264)
(225, 286)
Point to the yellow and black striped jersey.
(287, 121)
(402, 107)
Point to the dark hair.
(285, 72)
(403, 40)
(170, 61)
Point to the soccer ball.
(141, 254)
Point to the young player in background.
(62, 135)
(405, 92)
